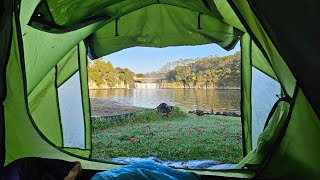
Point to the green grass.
(180, 136)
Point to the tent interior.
(45, 44)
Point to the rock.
(191, 112)
(235, 114)
(199, 113)
(164, 109)
(226, 113)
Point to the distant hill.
(207, 72)
(181, 62)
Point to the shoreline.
(168, 88)
(103, 108)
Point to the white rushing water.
(146, 85)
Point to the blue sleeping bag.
(145, 170)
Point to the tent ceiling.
(162, 25)
(72, 12)
(152, 23)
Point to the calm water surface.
(186, 99)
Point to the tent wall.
(297, 154)
(6, 7)
(23, 138)
(52, 93)
(264, 43)
(290, 153)
(293, 28)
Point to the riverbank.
(103, 107)
(161, 87)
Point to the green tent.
(45, 44)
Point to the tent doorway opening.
(186, 107)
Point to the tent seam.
(83, 112)
(58, 103)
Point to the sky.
(146, 59)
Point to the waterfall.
(146, 85)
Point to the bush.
(177, 113)
(146, 116)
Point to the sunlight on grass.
(181, 136)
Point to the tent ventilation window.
(264, 95)
(71, 110)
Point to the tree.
(101, 73)
(211, 70)
(140, 75)
(125, 75)
(183, 74)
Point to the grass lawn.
(181, 136)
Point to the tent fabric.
(66, 14)
(5, 46)
(46, 43)
(286, 35)
(161, 25)
(45, 98)
(246, 109)
(264, 43)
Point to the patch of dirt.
(104, 107)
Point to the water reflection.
(186, 99)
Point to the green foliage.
(102, 72)
(147, 116)
(211, 71)
(140, 75)
(177, 113)
(125, 75)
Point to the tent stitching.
(58, 103)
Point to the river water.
(186, 99)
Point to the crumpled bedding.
(144, 171)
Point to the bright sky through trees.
(145, 59)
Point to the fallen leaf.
(226, 149)
(133, 140)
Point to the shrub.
(146, 116)
(177, 113)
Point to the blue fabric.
(145, 170)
